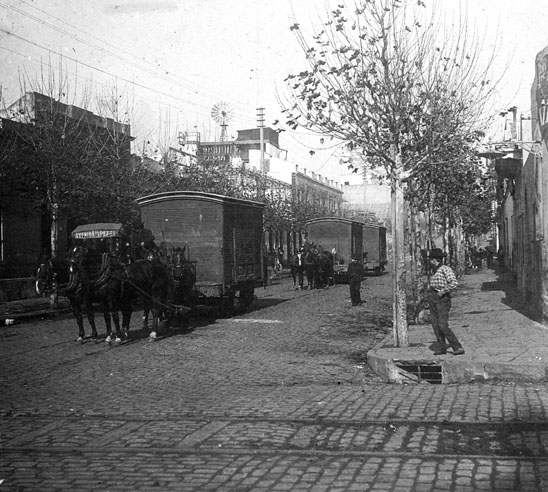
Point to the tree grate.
(419, 372)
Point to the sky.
(171, 61)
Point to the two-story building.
(25, 226)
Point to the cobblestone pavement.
(278, 399)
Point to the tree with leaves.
(380, 77)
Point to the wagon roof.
(331, 219)
(195, 195)
(344, 220)
(98, 230)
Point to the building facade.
(522, 187)
(25, 226)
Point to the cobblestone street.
(278, 399)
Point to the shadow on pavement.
(505, 282)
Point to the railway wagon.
(374, 248)
(343, 236)
(221, 237)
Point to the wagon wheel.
(226, 305)
(246, 298)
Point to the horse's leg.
(155, 314)
(116, 320)
(108, 322)
(112, 306)
(126, 319)
(77, 311)
(146, 312)
(126, 309)
(156, 311)
(91, 318)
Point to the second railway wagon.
(344, 236)
(374, 248)
(220, 235)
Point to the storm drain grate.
(419, 372)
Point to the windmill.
(222, 113)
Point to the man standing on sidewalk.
(355, 276)
(442, 282)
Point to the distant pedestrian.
(355, 276)
(297, 269)
(442, 282)
(500, 257)
(489, 257)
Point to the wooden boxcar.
(220, 235)
(374, 248)
(344, 236)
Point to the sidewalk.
(24, 309)
(500, 341)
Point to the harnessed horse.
(183, 274)
(318, 265)
(97, 278)
(151, 280)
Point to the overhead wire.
(115, 54)
(137, 64)
(105, 72)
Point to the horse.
(311, 267)
(183, 275)
(97, 278)
(325, 270)
(150, 278)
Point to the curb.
(30, 315)
(412, 365)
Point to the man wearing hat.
(355, 276)
(297, 269)
(442, 282)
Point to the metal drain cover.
(419, 371)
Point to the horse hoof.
(152, 337)
(108, 339)
(118, 340)
(80, 340)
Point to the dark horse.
(97, 278)
(183, 275)
(150, 279)
(318, 267)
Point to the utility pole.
(260, 124)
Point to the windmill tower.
(222, 113)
